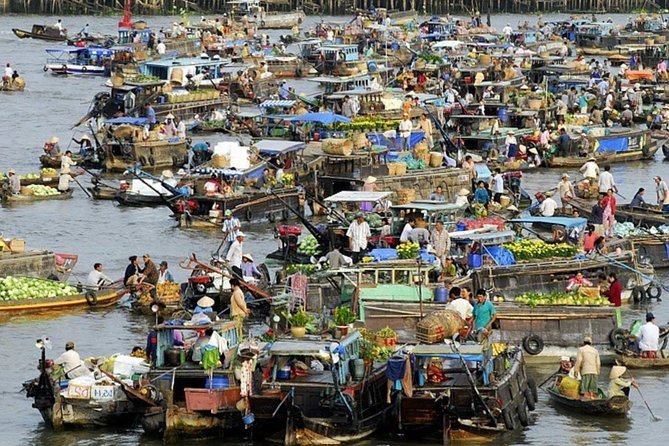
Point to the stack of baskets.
(405, 196)
(397, 169)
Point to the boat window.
(368, 278)
(402, 277)
(384, 276)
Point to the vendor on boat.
(437, 195)
(150, 273)
(97, 279)
(481, 194)
(238, 308)
(64, 180)
(336, 259)
(71, 362)
(590, 171)
(234, 256)
(249, 270)
(85, 145)
(441, 242)
(587, 366)
(406, 231)
(460, 304)
(566, 191)
(51, 147)
(484, 312)
(662, 193)
(132, 275)
(648, 338)
(577, 281)
(14, 182)
(230, 227)
(614, 293)
(637, 200)
(462, 199)
(66, 162)
(358, 234)
(203, 313)
(619, 386)
(164, 275)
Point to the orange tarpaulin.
(637, 75)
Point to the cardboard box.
(17, 245)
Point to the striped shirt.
(358, 233)
(231, 228)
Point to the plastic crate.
(212, 400)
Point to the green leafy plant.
(343, 316)
(299, 319)
(386, 333)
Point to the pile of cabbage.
(19, 288)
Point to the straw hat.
(565, 175)
(205, 302)
(85, 137)
(168, 174)
(169, 116)
(248, 257)
(510, 132)
(463, 192)
(241, 234)
(512, 208)
(11, 172)
(54, 140)
(617, 371)
(592, 158)
(370, 179)
(548, 194)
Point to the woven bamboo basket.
(439, 325)
(436, 159)
(405, 196)
(337, 146)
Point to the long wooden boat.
(446, 408)
(125, 198)
(20, 198)
(645, 217)
(617, 406)
(48, 181)
(102, 298)
(54, 162)
(41, 32)
(280, 20)
(103, 192)
(634, 362)
(647, 153)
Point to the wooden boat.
(624, 213)
(125, 198)
(33, 263)
(447, 408)
(288, 66)
(617, 406)
(41, 32)
(48, 181)
(54, 161)
(21, 198)
(103, 192)
(634, 362)
(102, 298)
(334, 406)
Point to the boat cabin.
(127, 35)
(183, 70)
(77, 60)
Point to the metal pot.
(173, 357)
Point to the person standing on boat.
(606, 181)
(563, 143)
(358, 234)
(150, 273)
(587, 366)
(441, 242)
(484, 312)
(608, 203)
(161, 48)
(590, 170)
(238, 308)
(619, 386)
(497, 185)
(231, 227)
(66, 162)
(150, 114)
(14, 182)
(96, 278)
(85, 145)
(234, 256)
(614, 293)
(481, 194)
(511, 146)
(425, 125)
(460, 304)
(64, 180)
(406, 231)
(649, 338)
(59, 26)
(662, 193)
(405, 129)
(566, 191)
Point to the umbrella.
(323, 118)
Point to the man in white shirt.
(606, 181)
(460, 304)
(358, 233)
(406, 231)
(649, 337)
(97, 278)
(507, 31)
(662, 193)
(234, 256)
(548, 206)
(405, 128)
(64, 182)
(497, 185)
(590, 170)
(161, 48)
(8, 71)
(72, 364)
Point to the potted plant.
(298, 322)
(343, 319)
(386, 337)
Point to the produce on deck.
(19, 288)
(309, 246)
(538, 249)
(41, 190)
(573, 299)
(408, 250)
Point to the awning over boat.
(126, 120)
(430, 206)
(272, 103)
(357, 196)
(278, 147)
(496, 237)
(613, 145)
(323, 118)
(567, 222)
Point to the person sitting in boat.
(212, 185)
(448, 271)
(648, 339)
(96, 278)
(460, 304)
(462, 198)
(14, 182)
(619, 386)
(627, 116)
(590, 170)
(481, 194)
(85, 145)
(164, 275)
(587, 366)
(614, 291)
(51, 147)
(547, 204)
(132, 277)
(64, 182)
(71, 362)
(577, 281)
(249, 270)
(637, 200)
(583, 145)
(406, 231)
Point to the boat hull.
(22, 34)
(68, 68)
(618, 406)
(94, 299)
(11, 199)
(282, 20)
(642, 363)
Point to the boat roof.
(278, 147)
(567, 222)
(468, 351)
(309, 347)
(126, 120)
(77, 49)
(356, 196)
(430, 206)
(186, 61)
(339, 79)
(496, 237)
(271, 103)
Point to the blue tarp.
(126, 120)
(567, 222)
(379, 139)
(613, 145)
(501, 256)
(323, 118)
(380, 254)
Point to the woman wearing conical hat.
(619, 386)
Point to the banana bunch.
(498, 348)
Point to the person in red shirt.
(590, 237)
(615, 290)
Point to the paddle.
(652, 415)
(82, 187)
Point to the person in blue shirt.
(150, 116)
(484, 312)
(481, 194)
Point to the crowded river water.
(100, 231)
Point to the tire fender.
(653, 291)
(248, 215)
(523, 416)
(638, 294)
(142, 161)
(45, 68)
(533, 344)
(84, 69)
(509, 419)
(152, 160)
(618, 338)
(64, 68)
(91, 298)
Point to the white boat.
(77, 60)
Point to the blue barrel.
(372, 67)
(441, 295)
(502, 114)
(394, 46)
(218, 382)
(475, 260)
(461, 226)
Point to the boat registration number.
(103, 393)
(78, 392)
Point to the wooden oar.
(82, 187)
(652, 415)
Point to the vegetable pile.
(30, 176)
(369, 124)
(408, 250)
(538, 249)
(49, 172)
(40, 190)
(309, 246)
(19, 288)
(533, 299)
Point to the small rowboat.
(21, 198)
(41, 32)
(89, 298)
(48, 181)
(615, 406)
(633, 362)
(103, 192)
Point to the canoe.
(103, 192)
(575, 162)
(100, 298)
(30, 198)
(50, 36)
(615, 406)
(625, 213)
(45, 181)
(139, 200)
(632, 362)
